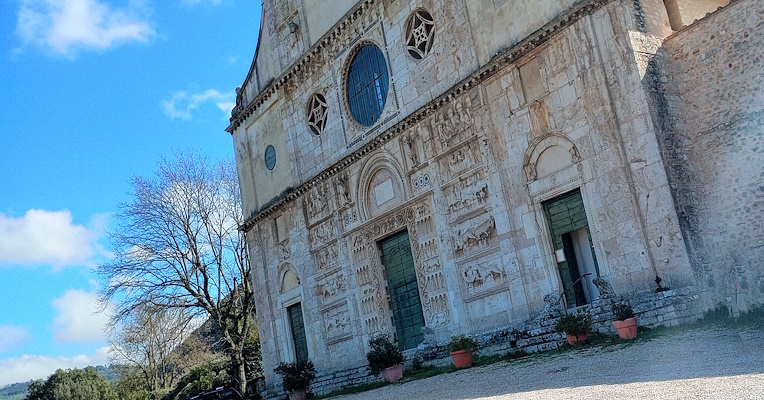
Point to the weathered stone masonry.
(530, 149)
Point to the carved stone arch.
(381, 186)
(549, 154)
(289, 279)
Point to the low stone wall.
(330, 382)
(667, 308)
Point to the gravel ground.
(708, 363)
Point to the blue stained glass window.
(367, 85)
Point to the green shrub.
(461, 342)
(621, 309)
(296, 376)
(576, 324)
(383, 354)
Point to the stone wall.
(707, 82)
(667, 308)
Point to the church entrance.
(403, 289)
(574, 252)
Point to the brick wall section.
(708, 95)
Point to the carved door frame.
(366, 257)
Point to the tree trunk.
(241, 373)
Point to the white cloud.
(80, 317)
(12, 336)
(181, 104)
(50, 237)
(24, 368)
(62, 26)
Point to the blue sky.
(93, 93)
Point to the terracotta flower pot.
(298, 395)
(573, 339)
(627, 329)
(462, 358)
(392, 374)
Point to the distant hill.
(18, 391)
(14, 391)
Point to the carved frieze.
(325, 258)
(284, 250)
(331, 288)
(337, 324)
(459, 161)
(453, 123)
(481, 277)
(322, 233)
(473, 234)
(466, 194)
(316, 203)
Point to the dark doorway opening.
(576, 261)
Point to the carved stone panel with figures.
(466, 194)
(459, 161)
(337, 323)
(480, 277)
(331, 287)
(322, 234)
(454, 123)
(325, 257)
(316, 204)
(476, 233)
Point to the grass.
(718, 317)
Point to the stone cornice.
(499, 62)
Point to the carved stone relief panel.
(337, 324)
(331, 288)
(316, 204)
(454, 123)
(284, 250)
(466, 194)
(483, 276)
(342, 184)
(460, 160)
(411, 146)
(321, 234)
(425, 225)
(324, 258)
(473, 234)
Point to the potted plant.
(625, 321)
(576, 326)
(296, 378)
(385, 358)
(461, 348)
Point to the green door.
(567, 222)
(404, 292)
(298, 332)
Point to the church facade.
(426, 168)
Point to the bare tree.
(178, 247)
(149, 342)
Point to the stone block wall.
(706, 82)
